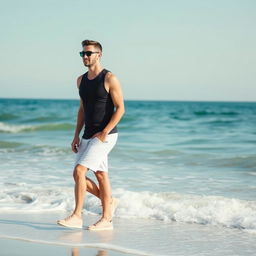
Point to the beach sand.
(29, 234)
(15, 247)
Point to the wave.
(213, 113)
(171, 206)
(176, 117)
(24, 197)
(167, 206)
(44, 119)
(7, 116)
(246, 161)
(10, 128)
(167, 152)
(9, 145)
(221, 122)
(13, 128)
(40, 149)
(252, 173)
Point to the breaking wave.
(167, 207)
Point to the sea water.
(174, 162)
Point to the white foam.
(27, 198)
(252, 173)
(213, 210)
(168, 207)
(14, 128)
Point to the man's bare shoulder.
(111, 78)
(78, 82)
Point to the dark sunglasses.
(87, 53)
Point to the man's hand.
(75, 144)
(101, 136)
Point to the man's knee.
(79, 171)
(101, 176)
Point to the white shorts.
(93, 153)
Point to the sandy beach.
(23, 234)
(22, 248)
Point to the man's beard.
(90, 64)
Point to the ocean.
(186, 170)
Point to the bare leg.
(75, 252)
(92, 187)
(75, 219)
(80, 188)
(105, 194)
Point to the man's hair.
(91, 42)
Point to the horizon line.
(157, 100)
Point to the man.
(101, 108)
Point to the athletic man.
(101, 108)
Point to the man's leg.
(105, 194)
(80, 188)
(75, 220)
(109, 204)
(92, 188)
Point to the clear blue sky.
(160, 50)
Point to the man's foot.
(102, 224)
(72, 221)
(113, 206)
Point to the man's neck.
(93, 71)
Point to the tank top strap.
(104, 72)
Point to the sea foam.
(17, 128)
(167, 207)
(200, 209)
(11, 128)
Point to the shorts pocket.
(101, 141)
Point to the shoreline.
(130, 236)
(28, 248)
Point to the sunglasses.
(87, 53)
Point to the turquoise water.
(174, 161)
(209, 145)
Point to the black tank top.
(98, 104)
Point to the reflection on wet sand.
(79, 237)
(103, 236)
(72, 236)
(75, 252)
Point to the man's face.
(94, 58)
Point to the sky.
(198, 50)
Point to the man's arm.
(113, 86)
(80, 121)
